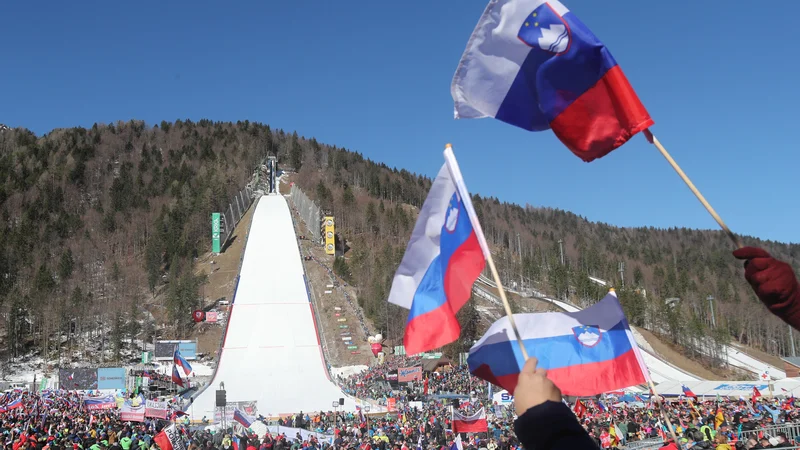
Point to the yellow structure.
(330, 235)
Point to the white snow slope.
(271, 352)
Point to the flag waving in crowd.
(533, 64)
(443, 259)
(181, 362)
(586, 352)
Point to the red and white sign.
(475, 423)
(156, 409)
(130, 413)
(169, 439)
(211, 317)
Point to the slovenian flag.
(533, 64)
(176, 376)
(243, 418)
(442, 261)
(179, 360)
(586, 352)
(687, 392)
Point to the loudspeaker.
(222, 399)
(341, 402)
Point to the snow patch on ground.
(641, 340)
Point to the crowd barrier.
(790, 430)
(236, 209)
(309, 212)
(645, 444)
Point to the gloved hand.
(774, 283)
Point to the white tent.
(780, 388)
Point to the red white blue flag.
(442, 261)
(535, 65)
(587, 352)
(179, 360)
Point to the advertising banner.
(248, 407)
(211, 317)
(165, 349)
(330, 237)
(129, 413)
(111, 378)
(156, 409)
(406, 374)
(215, 233)
(98, 403)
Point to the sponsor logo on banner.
(391, 404)
(346, 338)
(342, 326)
(503, 398)
(352, 347)
(355, 353)
(212, 316)
(349, 343)
(740, 387)
(337, 308)
(337, 315)
(341, 320)
(406, 374)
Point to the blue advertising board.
(188, 350)
(165, 349)
(111, 378)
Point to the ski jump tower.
(272, 170)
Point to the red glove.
(774, 283)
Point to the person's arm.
(551, 425)
(544, 422)
(774, 282)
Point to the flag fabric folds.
(176, 376)
(170, 439)
(687, 392)
(179, 360)
(535, 65)
(586, 352)
(242, 418)
(475, 423)
(442, 261)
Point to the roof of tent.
(788, 386)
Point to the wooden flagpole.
(664, 415)
(653, 140)
(455, 172)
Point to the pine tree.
(116, 336)
(66, 265)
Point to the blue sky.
(374, 76)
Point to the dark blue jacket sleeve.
(552, 426)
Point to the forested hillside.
(376, 208)
(101, 227)
(97, 221)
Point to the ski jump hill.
(271, 352)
